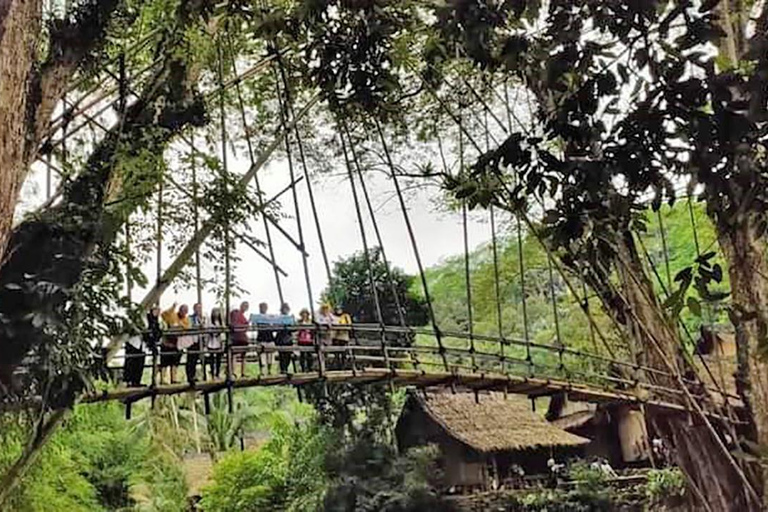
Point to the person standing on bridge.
(133, 368)
(154, 332)
(238, 322)
(170, 356)
(197, 321)
(325, 321)
(284, 337)
(265, 336)
(215, 344)
(305, 341)
(341, 335)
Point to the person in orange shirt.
(170, 355)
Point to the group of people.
(165, 336)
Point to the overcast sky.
(439, 235)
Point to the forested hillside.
(448, 285)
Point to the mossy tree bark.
(744, 250)
(715, 479)
(47, 254)
(31, 90)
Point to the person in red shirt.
(239, 324)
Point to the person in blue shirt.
(265, 337)
(284, 337)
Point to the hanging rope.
(524, 294)
(414, 246)
(302, 158)
(363, 237)
(497, 284)
(467, 275)
(225, 168)
(379, 241)
(664, 248)
(304, 256)
(256, 180)
(555, 314)
(495, 253)
(196, 222)
(159, 235)
(226, 228)
(292, 173)
(586, 308)
(528, 223)
(468, 285)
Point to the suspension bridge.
(403, 355)
(380, 354)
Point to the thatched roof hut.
(494, 423)
(482, 438)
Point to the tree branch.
(54, 248)
(72, 43)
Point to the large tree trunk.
(745, 252)
(48, 253)
(655, 342)
(30, 90)
(714, 477)
(20, 25)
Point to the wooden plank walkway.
(529, 386)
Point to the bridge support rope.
(364, 238)
(412, 237)
(256, 180)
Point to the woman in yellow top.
(341, 336)
(170, 355)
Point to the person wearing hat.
(341, 336)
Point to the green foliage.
(97, 461)
(562, 501)
(705, 302)
(448, 289)
(350, 288)
(372, 477)
(55, 483)
(161, 484)
(665, 483)
(254, 411)
(351, 50)
(590, 480)
(224, 428)
(286, 473)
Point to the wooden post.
(352, 351)
(320, 356)
(230, 363)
